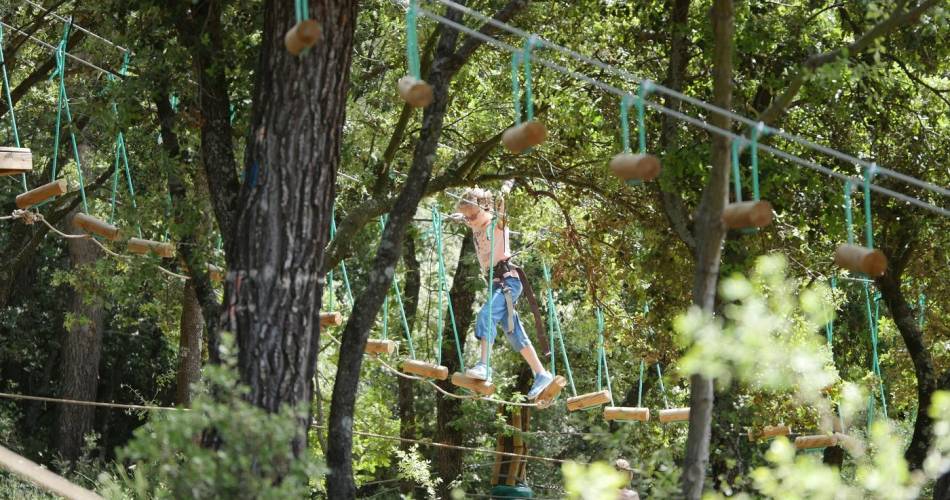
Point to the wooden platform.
(374, 346)
(674, 415)
(478, 386)
(550, 393)
(15, 161)
(588, 400)
(423, 369)
(626, 413)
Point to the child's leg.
(531, 356)
(486, 325)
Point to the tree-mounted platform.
(588, 400)
(674, 415)
(426, 370)
(15, 161)
(475, 385)
(626, 413)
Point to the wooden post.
(626, 413)
(141, 247)
(303, 35)
(674, 415)
(215, 273)
(550, 393)
(769, 431)
(423, 369)
(15, 161)
(43, 477)
(858, 259)
(641, 167)
(93, 225)
(417, 93)
(747, 214)
(479, 386)
(42, 193)
(374, 346)
(524, 136)
(588, 400)
(331, 319)
(818, 441)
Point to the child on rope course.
(508, 281)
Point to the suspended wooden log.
(853, 445)
(525, 136)
(674, 415)
(374, 346)
(639, 167)
(423, 369)
(41, 194)
(588, 400)
(747, 214)
(550, 393)
(141, 247)
(303, 35)
(473, 384)
(417, 93)
(331, 319)
(93, 225)
(858, 259)
(769, 431)
(816, 441)
(15, 161)
(626, 413)
(215, 273)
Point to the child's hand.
(506, 187)
(456, 217)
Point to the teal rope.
(868, 175)
(557, 326)
(659, 374)
(603, 355)
(625, 122)
(402, 308)
(640, 385)
(736, 175)
(346, 278)
(516, 85)
(645, 88)
(528, 94)
(921, 311)
(302, 10)
(491, 280)
(848, 216)
(443, 281)
(412, 40)
(63, 103)
(9, 97)
(830, 326)
(754, 152)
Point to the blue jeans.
(497, 307)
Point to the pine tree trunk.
(274, 288)
(710, 234)
(189, 345)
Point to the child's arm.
(501, 209)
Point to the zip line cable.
(702, 124)
(626, 75)
(80, 28)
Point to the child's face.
(470, 211)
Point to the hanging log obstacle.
(635, 167)
(95, 226)
(747, 214)
(525, 136)
(423, 369)
(15, 160)
(674, 415)
(769, 431)
(302, 36)
(550, 393)
(374, 346)
(816, 441)
(626, 413)
(589, 400)
(417, 93)
(331, 319)
(482, 387)
(41, 194)
(858, 259)
(142, 247)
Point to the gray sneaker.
(541, 382)
(480, 371)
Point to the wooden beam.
(43, 477)
(674, 415)
(423, 369)
(626, 413)
(41, 194)
(15, 161)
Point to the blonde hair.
(482, 198)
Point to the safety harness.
(502, 268)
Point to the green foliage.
(252, 457)
(592, 482)
(413, 467)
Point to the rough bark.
(189, 345)
(710, 234)
(448, 462)
(274, 287)
(407, 414)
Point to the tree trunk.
(448, 462)
(189, 345)
(274, 287)
(407, 414)
(710, 234)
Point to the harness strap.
(536, 312)
(511, 307)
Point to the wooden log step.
(816, 441)
(417, 93)
(331, 319)
(303, 35)
(423, 369)
(674, 415)
(525, 136)
(374, 346)
(479, 386)
(639, 167)
(588, 400)
(141, 246)
(95, 226)
(215, 273)
(747, 214)
(769, 431)
(41, 194)
(626, 413)
(15, 161)
(550, 393)
(858, 259)
(853, 445)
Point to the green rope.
(848, 215)
(443, 282)
(659, 374)
(412, 40)
(645, 89)
(868, 175)
(302, 10)
(603, 355)
(754, 152)
(559, 336)
(346, 278)
(921, 311)
(736, 175)
(399, 302)
(63, 104)
(528, 94)
(830, 326)
(640, 385)
(625, 121)
(516, 85)
(9, 97)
